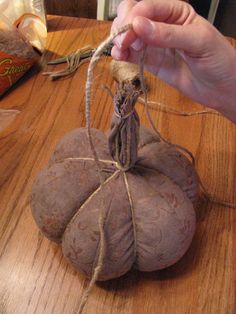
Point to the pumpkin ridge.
(98, 248)
(132, 214)
(53, 221)
(173, 205)
(89, 198)
(170, 178)
(158, 172)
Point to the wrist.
(223, 99)
(227, 106)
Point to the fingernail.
(115, 53)
(137, 45)
(119, 40)
(119, 55)
(118, 44)
(147, 26)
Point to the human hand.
(183, 49)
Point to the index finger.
(122, 19)
(170, 12)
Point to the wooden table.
(34, 276)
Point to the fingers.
(122, 19)
(167, 64)
(124, 8)
(118, 54)
(187, 37)
(171, 12)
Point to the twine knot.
(122, 117)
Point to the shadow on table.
(185, 265)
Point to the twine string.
(168, 109)
(165, 108)
(73, 61)
(95, 58)
(98, 267)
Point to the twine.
(96, 56)
(167, 109)
(110, 162)
(74, 61)
(98, 268)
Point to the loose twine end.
(98, 267)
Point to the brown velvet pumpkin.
(147, 197)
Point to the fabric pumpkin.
(147, 197)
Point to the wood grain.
(34, 276)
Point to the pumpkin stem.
(124, 135)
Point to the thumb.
(185, 37)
